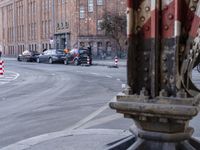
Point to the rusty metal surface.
(164, 47)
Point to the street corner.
(8, 77)
(72, 139)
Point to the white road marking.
(93, 73)
(108, 76)
(8, 77)
(118, 79)
(102, 121)
(27, 143)
(1, 83)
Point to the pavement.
(83, 139)
(85, 134)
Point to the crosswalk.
(8, 77)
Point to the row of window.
(90, 7)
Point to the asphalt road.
(36, 99)
(41, 98)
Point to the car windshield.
(59, 52)
(81, 51)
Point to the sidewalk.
(81, 139)
(121, 62)
(109, 62)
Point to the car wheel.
(38, 60)
(76, 62)
(66, 62)
(50, 61)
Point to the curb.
(30, 142)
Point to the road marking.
(93, 73)
(108, 76)
(3, 83)
(118, 79)
(27, 143)
(8, 77)
(102, 121)
(90, 117)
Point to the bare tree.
(114, 26)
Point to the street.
(46, 98)
(36, 99)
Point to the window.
(82, 12)
(99, 24)
(99, 44)
(99, 2)
(90, 6)
(82, 44)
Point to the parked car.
(28, 56)
(52, 55)
(78, 57)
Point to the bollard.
(1, 67)
(116, 61)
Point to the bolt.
(142, 18)
(147, 28)
(165, 7)
(192, 8)
(163, 120)
(164, 81)
(127, 11)
(147, 8)
(146, 69)
(164, 58)
(142, 118)
(145, 79)
(138, 28)
(139, 9)
(170, 16)
(163, 93)
(166, 27)
(164, 68)
(181, 94)
(146, 58)
(144, 92)
(145, 53)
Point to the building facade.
(44, 24)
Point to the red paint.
(130, 3)
(177, 10)
(194, 26)
(168, 19)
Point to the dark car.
(78, 57)
(28, 56)
(51, 56)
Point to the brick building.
(40, 24)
